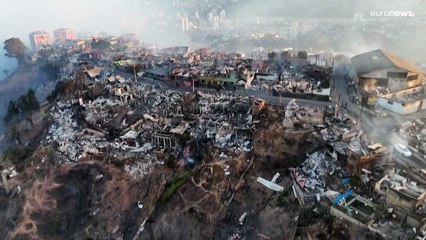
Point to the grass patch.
(177, 182)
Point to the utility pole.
(360, 114)
(134, 72)
(280, 96)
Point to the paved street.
(380, 129)
(260, 93)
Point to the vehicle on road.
(402, 149)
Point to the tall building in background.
(39, 39)
(222, 16)
(185, 23)
(63, 34)
(129, 37)
(216, 22)
(210, 17)
(358, 17)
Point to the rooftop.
(404, 186)
(380, 59)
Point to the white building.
(358, 17)
(395, 82)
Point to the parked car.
(402, 149)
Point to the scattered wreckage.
(142, 123)
(415, 134)
(151, 119)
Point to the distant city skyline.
(120, 17)
(147, 17)
(49, 15)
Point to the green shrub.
(58, 91)
(22, 106)
(177, 182)
(17, 154)
(171, 161)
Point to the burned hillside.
(107, 150)
(136, 161)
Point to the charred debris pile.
(170, 164)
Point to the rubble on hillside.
(217, 162)
(153, 119)
(415, 133)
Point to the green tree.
(302, 54)
(28, 102)
(14, 134)
(15, 48)
(33, 103)
(272, 56)
(24, 105)
(12, 110)
(17, 154)
(285, 55)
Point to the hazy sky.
(20, 17)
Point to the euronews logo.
(392, 14)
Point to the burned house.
(310, 115)
(159, 73)
(94, 72)
(355, 208)
(406, 196)
(180, 50)
(307, 82)
(170, 137)
(258, 106)
(7, 172)
(319, 73)
(415, 133)
(390, 81)
(360, 157)
(163, 139)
